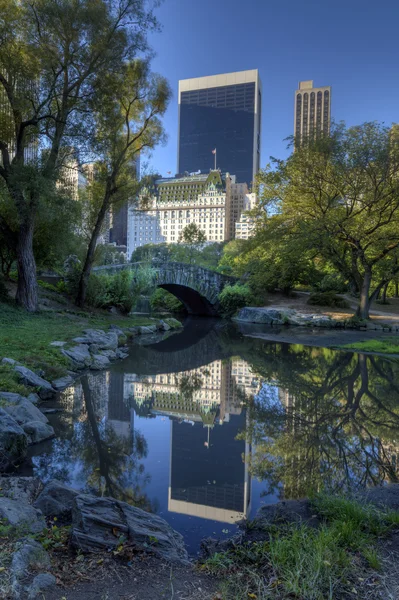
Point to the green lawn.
(26, 338)
(389, 345)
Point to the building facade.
(213, 201)
(221, 112)
(245, 226)
(312, 112)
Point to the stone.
(58, 344)
(10, 397)
(173, 323)
(163, 326)
(21, 516)
(121, 354)
(13, 441)
(56, 500)
(287, 511)
(29, 555)
(28, 377)
(99, 362)
(41, 583)
(34, 398)
(97, 524)
(9, 361)
(38, 432)
(110, 354)
(23, 411)
(79, 355)
(267, 316)
(23, 489)
(62, 383)
(146, 329)
(133, 331)
(210, 546)
(386, 496)
(104, 341)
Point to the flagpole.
(215, 159)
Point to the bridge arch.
(197, 288)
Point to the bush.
(234, 297)
(4, 297)
(332, 282)
(162, 300)
(105, 291)
(328, 299)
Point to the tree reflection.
(103, 461)
(323, 419)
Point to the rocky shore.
(22, 422)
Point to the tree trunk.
(384, 293)
(363, 309)
(27, 283)
(396, 289)
(88, 264)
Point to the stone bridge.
(197, 288)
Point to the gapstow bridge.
(197, 288)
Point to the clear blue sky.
(352, 45)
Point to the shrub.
(4, 297)
(332, 282)
(162, 300)
(234, 297)
(328, 299)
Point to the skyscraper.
(312, 111)
(222, 113)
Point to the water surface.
(208, 424)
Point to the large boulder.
(98, 523)
(23, 411)
(56, 500)
(37, 431)
(42, 583)
(79, 356)
(29, 378)
(99, 362)
(62, 382)
(103, 341)
(23, 489)
(23, 517)
(267, 316)
(13, 441)
(29, 556)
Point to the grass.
(26, 338)
(389, 345)
(298, 561)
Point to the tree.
(340, 196)
(127, 122)
(52, 56)
(194, 237)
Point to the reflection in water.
(248, 421)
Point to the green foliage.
(193, 236)
(234, 297)
(332, 282)
(54, 537)
(328, 299)
(162, 300)
(121, 289)
(9, 381)
(387, 345)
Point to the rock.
(173, 323)
(23, 489)
(97, 524)
(386, 496)
(10, 397)
(23, 411)
(120, 354)
(133, 331)
(62, 382)
(79, 355)
(58, 344)
(37, 431)
(56, 500)
(268, 316)
(104, 341)
(29, 555)
(110, 354)
(41, 583)
(13, 441)
(287, 511)
(9, 361)
(163, 326)
(34, 398)
(209, 546)
(28, 377)
(145, 330)
(21, 516)
(99, 362)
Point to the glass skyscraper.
(221, 112)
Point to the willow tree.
(52, 54)
(339, 195)
(129, 106)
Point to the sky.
(351, 45)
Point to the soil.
(146, 578)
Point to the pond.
(207, 424)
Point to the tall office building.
(221, 112)
(312, 111)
